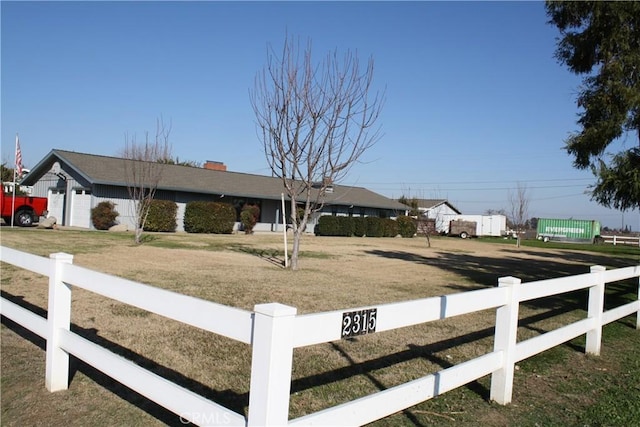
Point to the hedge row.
(199, 217)
(220, 218)
(209, 217)
(365, 226)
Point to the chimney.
(215, 166)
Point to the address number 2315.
(358, 322)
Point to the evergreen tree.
(601, 40)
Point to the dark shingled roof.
(111, 171)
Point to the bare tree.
(519, 207)
(315, 121)
(144, 163)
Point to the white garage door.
(80, 208)
(55, 204)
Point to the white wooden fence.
(274, 330)
(622, 240)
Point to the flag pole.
(284, 231)
(15, 170)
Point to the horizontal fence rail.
(622, 240)
(275, 330)
(319, 328)
(167, 394)
(217, 318)
(223, 320)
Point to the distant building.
(439, 210)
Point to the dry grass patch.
(242, 271)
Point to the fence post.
(505, 340)
(638, 313)
(271, 362)
(594, 311)
(58, 317)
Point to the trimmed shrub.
(104, 215)
(359, 226)
(407, 226)
(224, 217)
(249, 216)
(375, 227)
(390, 227)
(346, 226)
(196, 219)
(209, 217)
(329, 225)
(162, 216)
(356, 226)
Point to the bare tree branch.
(144, 163)
(519, 204)
(315, 121)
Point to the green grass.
(559, 387)
(618, 402)
(605, 248)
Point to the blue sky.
(475, 102)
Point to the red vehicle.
(25, 210)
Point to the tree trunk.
(140, 219)
(296, 248)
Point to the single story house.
(74, 183)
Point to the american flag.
(18, 158)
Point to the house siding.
(439, 211)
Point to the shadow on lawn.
(485, 270)
(232, 400)
(272, 256)
(482, 270)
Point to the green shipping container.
(568, 230)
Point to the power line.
(475, 182)
(451, 189)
